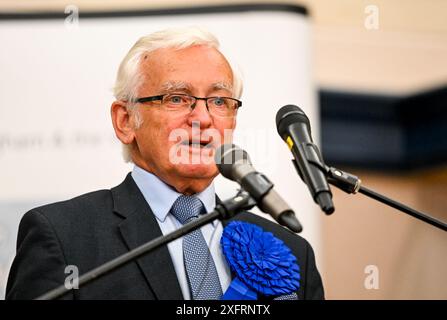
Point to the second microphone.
(235, 164)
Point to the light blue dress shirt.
(160, 198)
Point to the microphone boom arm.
(352, 184)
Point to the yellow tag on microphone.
(289, 142)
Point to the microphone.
(235, 164)
(294, 128)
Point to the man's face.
(199, 71)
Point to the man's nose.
(200, 113)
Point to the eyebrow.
(222, 86)
(171, 86)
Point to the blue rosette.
(262, 263)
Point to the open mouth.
(198, 144)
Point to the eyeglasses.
(185, 103)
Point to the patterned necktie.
(199, 264)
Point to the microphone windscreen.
(287, 115)
(228, 155)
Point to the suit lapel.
(138, 227)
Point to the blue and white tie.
(199, 264)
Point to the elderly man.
(176, 100)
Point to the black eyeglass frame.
(161, 96)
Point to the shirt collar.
(161, 196)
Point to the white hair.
(130, 78)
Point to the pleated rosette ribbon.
(263, 264)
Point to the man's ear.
(122, 122)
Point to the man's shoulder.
(76, 208)
(291, 239)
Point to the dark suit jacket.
(94, 228)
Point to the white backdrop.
(56, 138)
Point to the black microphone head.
(288, 115)
(228, 155)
